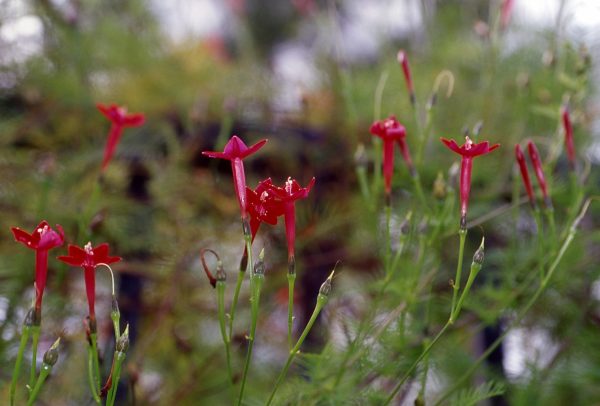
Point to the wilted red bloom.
(468, 151)
(89, 258)
(403, 61)
(288, 195)
(120, 120)
(506, 12)
(390, 130)
(524, 174)
(263, 206)
(42, 239)
(568, 127)
(235, 151)
(534, 155)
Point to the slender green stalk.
(419, 189)
(236, 294)
(256, 282)
(291, 280)
(361, 176)
(475, 268)
(45, 371)
(388, 237)
(543, 284)
(18, 362)
(322, 299)
(94, 340)
(221, 313)
(35, 339)
(112, 393)
(462, 232)
(91, 379)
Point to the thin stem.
(414, 364)
(388, 238)
(475, 268)
(18, 362)
(236, 294)
(46, 369)
(94, 340)
(91, 380)
(291, 280)
(462, 232)
(35, 339)
(221, 312)
(112, 393)
(419, 189)
(255, 285)
(321, 301)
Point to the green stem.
(94, 339)
(112, 393)
(221, 312)
(388, 237)
(18, 362)
(291, 280)
(46, 369)
(256, 282)
(236, 294)
(361, 176)
(35, 339)
(462, 232)
(321, 301)
(543, 284)
(414, 364)
(91, 379)
(475, 268)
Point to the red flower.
(288, 195)
(263, 206)
(403, 61)
(390, 130)
(42, 239)
(120, 120)
(89, 258)
(566, 119)
(534, 155)
(505, 13)
(468, 151)
(524, 174)
(235, 151)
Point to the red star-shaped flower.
(288, 195)
(89, 258)
(42, 239)
(467, 151)
(235, 151)
(390, 131)
(120, 120)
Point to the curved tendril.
(449, 76)
(112, 275)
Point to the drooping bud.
(480, 253)
(568, 129)
(51, 356)
(123, 341)
(209, 275)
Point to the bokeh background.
(303, 74)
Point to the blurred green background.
(303, 74)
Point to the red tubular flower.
(534, 155)
(288, 195)
(42, 239)
(524, 174)
(468, 151)
(390, 130)
(568, 127)
(403, 61)
(89, 258)
(505, 13)
(120, 120)
(235, 151)
(263, 206)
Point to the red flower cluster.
(534, 155)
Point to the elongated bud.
(439, 186)
(114, 308)
(326, 286)
(30, 318)
(51, 356)
(479, 254)
(259, 266)
(123, 341)
(403, 61)
(534, 155)
(360, 156)
(524, 174)
(568, 129)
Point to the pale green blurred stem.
(321, 301)
(256, 282)
(462, 232)
(94, 340)
(35, 339)
(46, 369)
(112, 393)
(221, 313)
(91, 379)
(236, 294)
(419, 190)
(18, 362)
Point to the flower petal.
(251, 150)
(452, 145)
